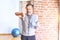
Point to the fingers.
(19, 14)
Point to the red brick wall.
(47, 10)
(59, 19)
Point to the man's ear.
(25, 7)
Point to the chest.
(30, 19)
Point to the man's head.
(29, 9)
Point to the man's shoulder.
(34, 15)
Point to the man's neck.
(29, 15)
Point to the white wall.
(8, 20)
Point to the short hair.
(29, 5)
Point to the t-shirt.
(29, 24)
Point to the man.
(28, 24)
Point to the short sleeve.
(36, 21)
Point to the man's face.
(29, 10)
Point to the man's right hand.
(20, 14)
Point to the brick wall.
(47, 10)
(59, 19)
